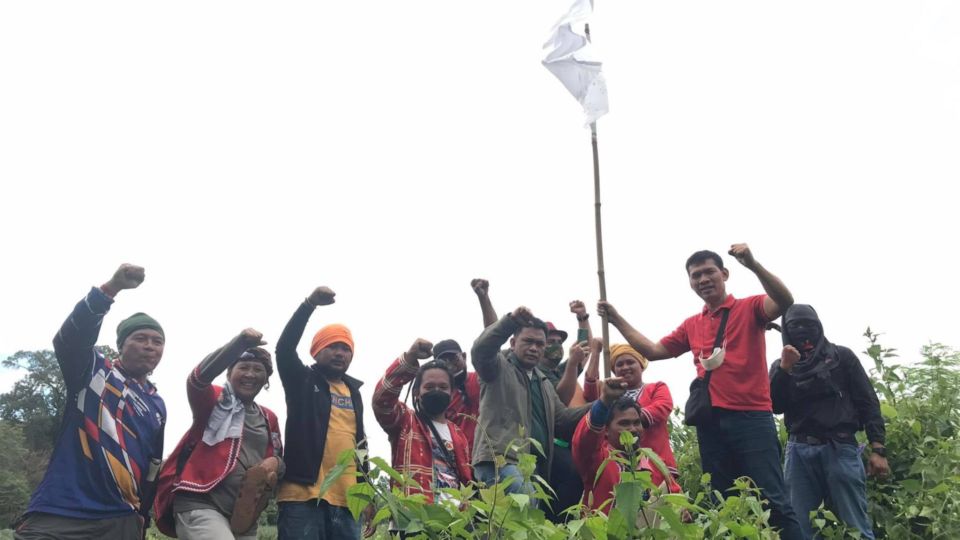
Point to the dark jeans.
(566, 482)
(745, 443)
(40, 526)
(311, 521)
(832, 474)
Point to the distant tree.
(36, 402)
(16, 483)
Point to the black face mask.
(801, 334)
(434, 402)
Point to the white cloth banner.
(569, 58)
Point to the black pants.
(566, 482)
(40, 526)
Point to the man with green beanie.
(100, 482)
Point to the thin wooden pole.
(599, 229)
(596, 210)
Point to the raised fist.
(789, 357)
(127, 276)
(522, 315)
(420, 350)
(578, 308)
(743, 254)
(480, 286)
(322, 296)
(612, 390)
(251, 338)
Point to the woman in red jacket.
(424, 443)
(218, 478)
(654, 399)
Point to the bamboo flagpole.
(599, 231)
(570, 60)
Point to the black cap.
(446, 346)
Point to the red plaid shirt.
(409, 436)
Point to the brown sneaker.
(258, 484)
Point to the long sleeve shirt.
(824, 410)
(112, 430)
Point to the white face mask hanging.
(715, 359)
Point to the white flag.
(569, 58)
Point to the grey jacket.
(505, 402)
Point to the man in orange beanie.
(324, 419)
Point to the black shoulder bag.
(699, 409)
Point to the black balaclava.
(818, 356)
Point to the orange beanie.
(622, 348)
(328, 335)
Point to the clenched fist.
(522, 315)
(743, 255)
(420, 350)
(128, 276)
(322, 296)
(789, 357)
(251, 338)
(612, 390)
(480, 286)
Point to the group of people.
(107, 475)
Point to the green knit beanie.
(137, 321)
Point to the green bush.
(921, 406)
(489, 512)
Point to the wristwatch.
(879, 450)
(585, 317)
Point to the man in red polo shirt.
(741, 439)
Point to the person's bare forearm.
(647, 347)
(567, 386)
(486, 308)
(773, 286)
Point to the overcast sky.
(246, 152)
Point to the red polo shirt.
(742, 382)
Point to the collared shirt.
(741, 383)
(538, 431)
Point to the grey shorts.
(40, 526)
(208, 524)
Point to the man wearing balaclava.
(100, 482)
(826, 397)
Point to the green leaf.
(629, 496)
(331, 477)
(888, 411)
(522, 499)
(912, 485)
(359, 496)
(940, 488)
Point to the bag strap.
(718, 341)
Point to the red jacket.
(203, 467)
(409, 436)
(657, 404)
(464, 408)
(590, 450)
